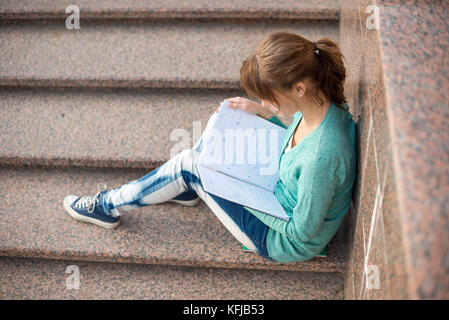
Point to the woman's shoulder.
(341, 130)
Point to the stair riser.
(47, 279)
(120, 84)
(167, 233)
(206, 16)
(124, 129)
(136, 55)
(175, 9)
(84, 111)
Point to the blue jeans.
(178, 179)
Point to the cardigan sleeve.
(316, 189)
(277, 121)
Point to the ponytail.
(284, 58)
(330, 70)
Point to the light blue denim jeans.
(178, 179)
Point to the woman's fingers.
(234, 105)
(233, 99)
(244, 104)
(237, 100)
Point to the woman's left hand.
(245, 104)
(249, 106)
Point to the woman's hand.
(244, 104)
(248, 106)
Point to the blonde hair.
(284, 58)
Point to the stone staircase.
(100, 104)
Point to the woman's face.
(288, 101)
(285, 109)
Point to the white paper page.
(244, 146)
(240, 192)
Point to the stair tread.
(34, 224)
(150, 54)
(98, 128)
(318, 9)
(45, 279)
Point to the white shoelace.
(90, 201)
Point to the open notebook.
(240, 159)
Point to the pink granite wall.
(376, 266)
(398, 90)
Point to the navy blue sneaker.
(189, 203)
(187, 198)
(89, 209)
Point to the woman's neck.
(312, 115)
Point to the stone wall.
(376, 255)
(400, 204)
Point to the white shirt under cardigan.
(289, 145)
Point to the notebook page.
(244, 146)
(240, 192)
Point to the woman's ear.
(300, 89)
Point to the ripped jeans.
(178, 179)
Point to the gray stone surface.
(164, 251)
(46, 279)
(126, 54)
(101, 128)
(398, 91)
(172, 9)
(164, 234)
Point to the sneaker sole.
(82, 218)
(189, 203)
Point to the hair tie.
(315, 48)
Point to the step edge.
(333, 265)
(250, 13)
(67, 162)
(151, 83)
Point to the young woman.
(291, 76)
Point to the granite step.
(34, 224)
(176, 9)
(124, 54)
(46, 279)
(100, 128)
(108, 103)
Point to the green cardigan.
(315, 188)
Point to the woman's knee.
(187, 159)
(189, 170)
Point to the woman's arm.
(267, 115)
(277, 121)
(316, 189)
(252, 107)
